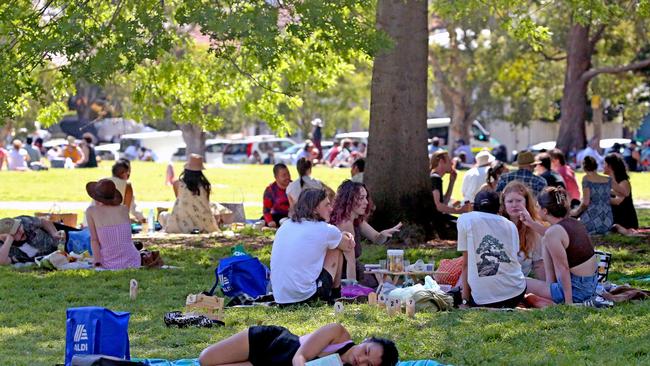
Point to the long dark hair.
(617, 165)
(494, 172)
(194, 180)
(347, 196)
(303, 166)
(305, 207)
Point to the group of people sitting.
(29, 155)
(605, 204)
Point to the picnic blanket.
(195, 362)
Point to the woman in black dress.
(622, 204)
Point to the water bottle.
(150, 222)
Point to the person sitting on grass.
(569, 257)
(307, 253)
(491, 274)
(625, 218)
(275, 201)
(350, 212)
(265, 345)
(519, 206)
(192, 211)
(494, 172)
(442, 164)
(595, 210)
(24, 238)
(304, 181)
(110, 228)
(357, 169)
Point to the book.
(331, 360)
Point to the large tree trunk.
(574, 97)
(194, 138)
(397, 174)
(461, 119)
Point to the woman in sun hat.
(191, 210)
(110, 228)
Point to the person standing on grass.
(569, 258)
(275, 203)
(491, 274)
(110, 228)
(307, 254)
(265, 345)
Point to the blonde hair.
(436, 157)
(527, 236)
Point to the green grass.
(33, 303)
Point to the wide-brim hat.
(195, 163)
(104, 191)
(525, 158)
(484, 158)
(9, 226)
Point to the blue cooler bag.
(241, 274)
(79, 242)
(95, 330)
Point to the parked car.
(108, 151)
(213, 151)
(604, 144)
(480, 136)
(163, 144)
(240, 151)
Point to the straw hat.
(104, 191)
(195, 163)
(9, 226)
(484, 158)
(525, 158)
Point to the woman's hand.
(524, 217)
(388, 233)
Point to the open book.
(331, 360)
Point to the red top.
(569, 181)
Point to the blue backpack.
(241, 274)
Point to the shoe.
(598, 302)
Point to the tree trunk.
(574, 97)
(461, 120)
(194, 138)
(397, 174)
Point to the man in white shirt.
(18, 157)
(492, 275)
(591, 150)
(475, 177)
(307, 254)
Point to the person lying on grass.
(307, 254)
(24, 238)
(569, 259)
(273, 345)
(352, 207)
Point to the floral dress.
(191, 212)
(597, 218)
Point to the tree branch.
(556, 57)
(255, 80)
(588, 75)
(596, 37)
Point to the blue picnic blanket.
(195, 362)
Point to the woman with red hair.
(352, 207)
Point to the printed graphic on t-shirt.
(491, 255)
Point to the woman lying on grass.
(273, 345)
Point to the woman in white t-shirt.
(17, 158)
(307, 254)
(492, 274)
(305, 181)
(519, 206)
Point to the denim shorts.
(582, 288)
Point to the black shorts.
(509, 303)
(324, 284)
(271, 345)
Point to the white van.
(439, 127)
(162, 143)
(240, 151)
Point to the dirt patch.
(178, 241)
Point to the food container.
(395, 260)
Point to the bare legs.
(334, 265)
(232, 351)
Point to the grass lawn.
(33, 303)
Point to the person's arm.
(85, 154)
(466, 291)
(49, 227)
(94, 239)
(553, 242)
(622, 189)
(128, 196)
(442, 207)
(267, 206)
(82, 156)
(586, 200)
(346, 246)
(7, 240)
(317, 341)
(378, 237)
(450, 186)
(527, 220)
(176, 185)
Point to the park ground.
(33, 302)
